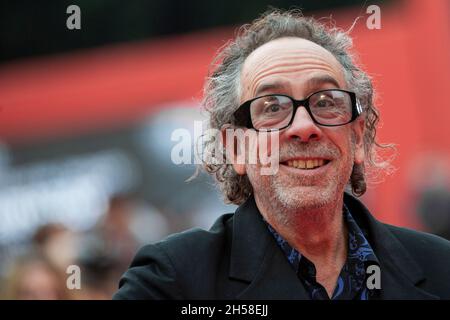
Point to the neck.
(319, 234)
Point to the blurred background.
(86, 118)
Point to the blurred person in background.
(430, 185)
(100, 273)
(102, 253)
(128, 224)
(114, 229)
(105, 252)
(56, 243)
(41, 275)
(33, 277)
(298, 233)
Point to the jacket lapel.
(400, 273)
(257, 260)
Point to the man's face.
(298, 67)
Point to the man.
(296, 234)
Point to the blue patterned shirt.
(351, 283)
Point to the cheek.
(268, 144)
(256, 180)
(262, 147)
(343, 140)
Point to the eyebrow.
(312, 83)
(276, 85)
(318, 81)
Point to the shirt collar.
(359, 249)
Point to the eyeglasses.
(332, 107)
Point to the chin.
(305, 198)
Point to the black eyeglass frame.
(243, 112)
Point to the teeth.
(306, 164)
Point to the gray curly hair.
(222, 92)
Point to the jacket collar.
(257, 260)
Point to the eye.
(271, 107)
(324, 101)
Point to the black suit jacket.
(239, 259)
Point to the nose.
(303, 127)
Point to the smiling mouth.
(309, 164)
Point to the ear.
(358, 129)
(231, 149)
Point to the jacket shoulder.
(417, 241)
(196, 241)
(175, 265)
(430, 252)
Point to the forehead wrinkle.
(288, 63)
(291, 69)
(256, 58)
(262, 75)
